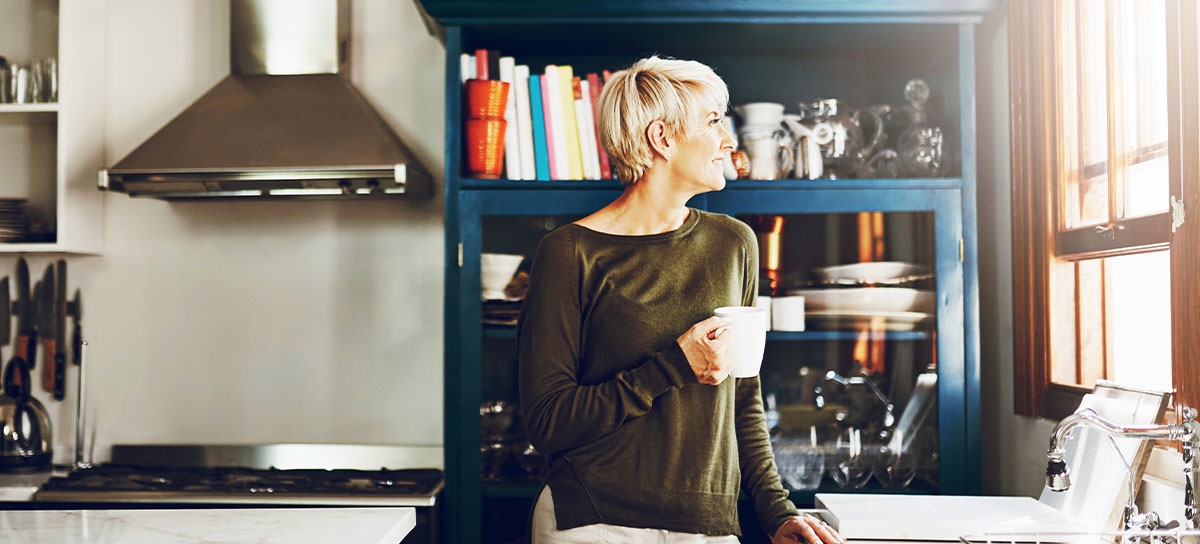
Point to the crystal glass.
(850, 463)
(893, 469)
(801, 463)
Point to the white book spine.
(524, 122)
(466, 66)
(512, 154)
(561, 170)
(593, 154)
(581, 126)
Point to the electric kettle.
(25, 433)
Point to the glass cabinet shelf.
(498, 332)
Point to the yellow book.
(574, 159)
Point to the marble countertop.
(204, 526)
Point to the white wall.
(1014, 447)
(253, 321)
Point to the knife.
(5, 316)
(75, 310)
(26, 335)
(45, 315)
(60, 330)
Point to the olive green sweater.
(633, 438)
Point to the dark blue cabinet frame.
(951, 200)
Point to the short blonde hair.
(652, 89)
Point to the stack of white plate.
(14, 221)
(869, 296)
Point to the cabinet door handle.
(460, 254)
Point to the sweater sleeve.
(559, 412)
(760, 478)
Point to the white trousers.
(546, 532)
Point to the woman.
(622, 369)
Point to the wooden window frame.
(1038, 243)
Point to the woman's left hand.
(806, 529)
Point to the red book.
(607, 76)
(594, 90)
(481, 63)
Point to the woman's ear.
(660, 142)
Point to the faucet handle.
(1189, 414)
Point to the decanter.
(921, 144)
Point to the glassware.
(801, 462)
(921, 144)
(893, 469)
(838, 134)
(47, 78)
(851, 463)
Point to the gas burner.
(243, 481)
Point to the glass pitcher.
(839, 135)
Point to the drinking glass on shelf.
(850, 466)
(893, 469)
(801, 462)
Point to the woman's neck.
(644, 208)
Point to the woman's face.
(698, 163)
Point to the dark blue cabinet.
(786, 52)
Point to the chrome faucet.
(1186, 432)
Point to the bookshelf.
(860, 52)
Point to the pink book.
(546, 109)
(594, 90)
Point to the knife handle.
(48, 366)
(27, 346)
(60, 372)
(76, 343)
(22, 346)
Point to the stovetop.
(120, 483)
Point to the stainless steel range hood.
(285, 124)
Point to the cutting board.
(938, 517)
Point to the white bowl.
(495, 269)
(868, 299)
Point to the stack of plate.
(869, 296)
(14, 221)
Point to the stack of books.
(551, 132)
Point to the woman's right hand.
(709, 347)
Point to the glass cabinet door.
(867, 391)
(849, 376)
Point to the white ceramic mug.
(787, 313)
(750, 326)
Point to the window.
(1104, 104)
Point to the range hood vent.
(286, 124)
